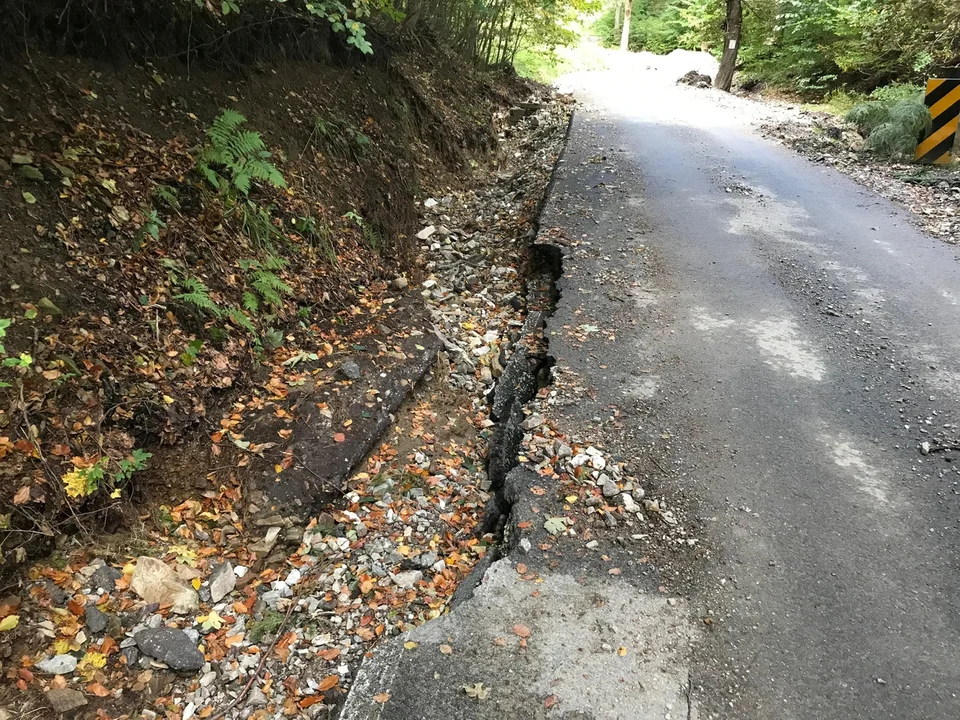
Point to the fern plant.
(267, 287)
(232, 158)
(198, 295)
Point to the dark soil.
(93, 297)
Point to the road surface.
(785, 344)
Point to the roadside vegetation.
(190, 187)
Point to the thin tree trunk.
(731, 45)
(625, 35)
(617, 7)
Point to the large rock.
(64, 700)
(57, 665)
(155, 582)
(105, 577)
(172, 647)
(96, 620)
(222, 581)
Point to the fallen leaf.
(446, 650)
(381, 697)
(477, 690)
(550, 701)
(98, 689)
(555, 525)
(330, 681)
(621, 651)
(521, 631)
(339, 437)
(212, 621)
(410, 645)
(521, 568)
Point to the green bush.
(892, 127)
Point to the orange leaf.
(381, 697)
(98, 689)
(330, 681)
(521, 631)
(330, 655)
(22, 495)
(339, 437)
(521, 569)
(310, 700)
(75, 607)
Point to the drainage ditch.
(527, 370)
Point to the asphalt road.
(785, 345)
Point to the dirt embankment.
(148, 308)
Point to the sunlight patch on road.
(706, 321)
(784, 348)
(845, 455)
(643, 388)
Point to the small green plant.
(340, 138)
(269, 624)
(189, 356)
(257, 224)
(167, 195)
(84, 482)
(20, 362)
(232, 158)
(267, 287)
(272, 338)
(151, 227)
(370, 234)
(317, 234)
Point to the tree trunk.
(617, 7)
(625, 35)
(731, 45)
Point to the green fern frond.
(236, 316)
(200, 301)
(272, 281)
(240, 153)
(269, 295)
(274, 262)
(250, 302)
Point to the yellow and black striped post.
(943, 99)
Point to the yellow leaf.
(115, 494)
(168, 400)
(9, 622)
(571, 498)
(410, 645)
(94, 659)
(212, 621)
(621, 651)
(61, 647)
(196, 583)
(75, 483)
